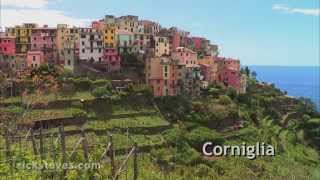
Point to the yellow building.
(161, 46)
(65, 34)
(110, 36)
(23, 36)
(109, 31)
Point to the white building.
(91, 45)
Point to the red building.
(229, 72)
(112, 59)
(35, 59)
(197, 42)
(7, 45)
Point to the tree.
(307, 106)
(254, 75)
(247, 71)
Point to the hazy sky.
(269, 32)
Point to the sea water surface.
(297, 81)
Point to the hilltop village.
(141, 100)
(174, 62)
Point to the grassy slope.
(295, 161)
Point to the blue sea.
(297, 81)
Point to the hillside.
(168, 131)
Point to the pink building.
(35, 59)
(229, 72)
(98, 25)
(175, 41)
(165, 76)
(197, 41)
(185, 56)
(43, 39)
(7, 45)
(112, 59)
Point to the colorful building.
(44, 39)
(110, 40)
(185, 56)
(229, 72)
(165, 76)
(70, 51)
(125, 41)
(209, 69)
(112, 60)
(62, 31)
(23, 36)
(63, 34)
(91, 45)
(18, 63)
(127, 23)
(197, 43)
(7, 44)
(35, 59)
(151, 28)
(161, 46)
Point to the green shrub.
(224, 100)
(201, 134)
(232, 93)
(82, 84)
(213, 92)
(101, 92)
(101, 82)
(173, 136)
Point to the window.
(83, 50)
(69, 62)
(33, 58)
(82, 43)
(83, 36)
(99, 50)
(91, 50)
(165, 82)
(99, 59)
(69, 51)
